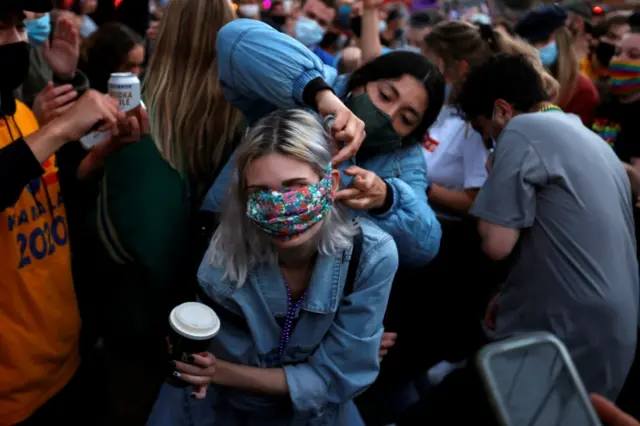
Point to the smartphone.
(531, 381)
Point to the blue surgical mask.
(308, 32)
(88, 27)
(548, 53)
(414, 49)
(38, 30)
(382, 26)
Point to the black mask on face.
(14, 67)
(356, 25)
(604, 52)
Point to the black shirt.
(619, 125)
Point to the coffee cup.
(193, 326)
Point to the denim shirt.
(332, 354)
(262, 70)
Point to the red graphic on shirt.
(50, 175)
(430, 144)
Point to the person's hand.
(346, 127)
(131, 129)
(199, 372)
(152, 32)
(64, 50)
(388, 340)
(52, 102)
(610, 414)
(351, 59)
(367, 191)
(91, 109)
(492, 312)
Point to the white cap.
(194, 321)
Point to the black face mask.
(356, 25)
(604, 52)
(14, 67)
(14, 58)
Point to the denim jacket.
(262, 70)
(332, 354)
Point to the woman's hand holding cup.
(197, 371)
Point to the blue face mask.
(88, 27)
(414, 49)
(38, 30)
(548, 53)
(308, 31)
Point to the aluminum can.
(125, 87)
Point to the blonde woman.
(301, 291)
(545, 29)
(149, 198)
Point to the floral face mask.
(289, 213)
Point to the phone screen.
(534, 386)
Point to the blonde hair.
(238, 245)
(457, 41)
(567, 67)
(192, 123)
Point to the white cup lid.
(194, 321)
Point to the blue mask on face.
(414, 49)
(88, 27)
(548, 53)
(308, 31)
(38, 29)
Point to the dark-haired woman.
(113, 48)
(398, 96)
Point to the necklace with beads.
(550, 108)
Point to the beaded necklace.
(547, 108)
(292, 310)
(550, 108)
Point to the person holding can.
(40, 373)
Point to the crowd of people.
(365, 193)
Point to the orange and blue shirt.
(39, 315)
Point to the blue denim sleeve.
(410, 220)
(346, 362)
(215, 196)
(258, 65)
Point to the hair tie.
(487, 34)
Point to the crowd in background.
(366, 193)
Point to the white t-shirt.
(455, 154)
